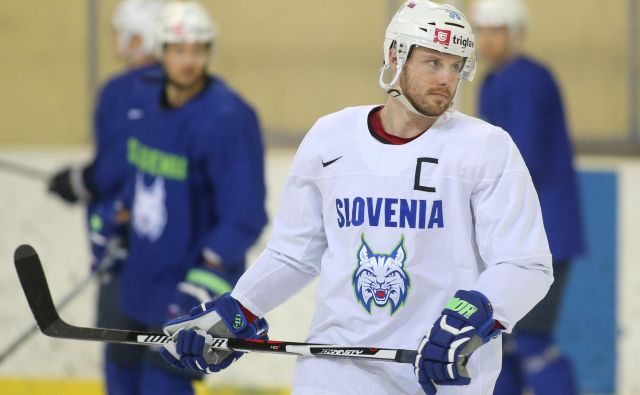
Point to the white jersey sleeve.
(292, 257)
(509, 232)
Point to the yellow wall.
(43, 96)
(295, 60)
(589, 59)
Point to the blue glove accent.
(222, 317)
(169, 357)
(466, 323)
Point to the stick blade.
(35, 287)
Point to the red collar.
(377, 130)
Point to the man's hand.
(223, 317)
(466, 323)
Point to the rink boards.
(597, 327)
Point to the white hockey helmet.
(496, 13)
(136, 17)
(440, 27)
(185, 22)
(423, 23)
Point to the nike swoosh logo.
(325, 164)
(135, 114)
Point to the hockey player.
(195, 191)
(98, 183)
(521, 96)
(133, 23)
(421, 224)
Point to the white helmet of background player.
(185, 22)
(499, 13)
(440, 27)
(136, 18)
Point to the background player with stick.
(399, 210)
(520, 95)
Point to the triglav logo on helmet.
(442, 36)
(463, 42)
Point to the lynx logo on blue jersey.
(381, 278)
(149, 213)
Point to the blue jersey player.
(195, 191)
(99, 182)
(521, 96)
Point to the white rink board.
(30, 215)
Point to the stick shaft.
(24, 171)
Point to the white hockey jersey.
(393, 231)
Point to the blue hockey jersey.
(107, 171)
(523, 98)
(194, 180)
(110, 127)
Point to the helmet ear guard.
(403, 51)
(470, 64)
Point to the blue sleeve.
(527, 123)
(101, 137)
(235, 169)
(110, 136)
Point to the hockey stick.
(22, 170)
(26, 334)
(103, 267)
(36, 289)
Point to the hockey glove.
(192, 335)
(466, 323)
(108, 237)
(72, 184)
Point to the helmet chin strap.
(397, 94)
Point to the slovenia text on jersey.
(389, 212)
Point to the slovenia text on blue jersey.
(389, 212)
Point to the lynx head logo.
(381, 278)
(149, 209)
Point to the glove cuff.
(78, 179)
(231, 312)
(469, 306)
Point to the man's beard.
(419, 101)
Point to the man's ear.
(393, 57)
